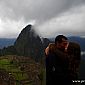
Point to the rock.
(29, 43)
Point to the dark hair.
(59, 38)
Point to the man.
(62, 61)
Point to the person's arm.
(47, 51)
(62, 55)
(50, 48)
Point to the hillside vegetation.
(22, 70)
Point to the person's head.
(61, 41)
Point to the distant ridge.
(5, 42)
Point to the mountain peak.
(29, 43)
(27, 28)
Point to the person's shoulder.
(52, 47)
(51, 44)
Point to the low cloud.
(49, 16)
(68, 23)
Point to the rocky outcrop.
(29, 43)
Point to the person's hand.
(47, 50)
(66, 46)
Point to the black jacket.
(62, 66)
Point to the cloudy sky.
(49, 17)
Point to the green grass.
(12, 66)
(13, 69)
(4, 62)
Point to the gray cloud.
(68, 23)
(14, 14)
(39, 10)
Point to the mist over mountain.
(30, 44)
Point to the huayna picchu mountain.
(27, 44)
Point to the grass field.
(12, 67)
